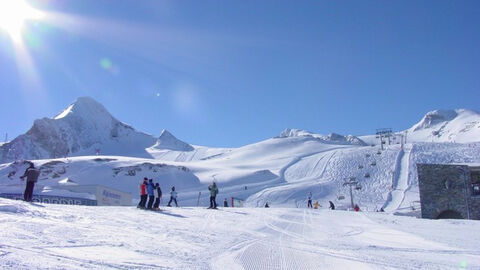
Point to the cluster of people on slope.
(153, 192)
(316, 205)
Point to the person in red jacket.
(143, 194)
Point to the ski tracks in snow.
(400, 182)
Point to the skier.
(332, 206)
(213, 195)
(225, 203)
(158, 196)
(310, 200)
(316, 205)
(151, 197)
(143, 194)
(356, 208)
(32, 175)
(266, 205)
(173, 197)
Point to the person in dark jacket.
(173, 197)
(332, 206)
(143, 194)
(266, 205)
(213, 195)
(32, 176)
(309, 205)
(158, 196)
(150, 192)
(225, 203)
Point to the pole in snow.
(352, 182)
(198, 200)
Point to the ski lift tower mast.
(384, 133)
(352, 182)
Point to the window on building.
(475, 189)
(475, 178)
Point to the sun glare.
(13, 14)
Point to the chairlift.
(374, 163)
(379, 152)
(341, 197)
(358, 187)
(367, 175)
(367, 155)
(360, 166)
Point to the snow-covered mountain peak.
(85, 127)
(289, 132)
(435, 117)
(460, 125)
(170, 142)
(334, 138)
(85, 107)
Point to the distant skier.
(143, 194)
(225, 203)
(310, 200)
(356, 208)
(173, 197)
(150, 191)
(316, 205)
(32, 176)
(266, 205)
(213, 195)
(158, 196)
(382, 210)
(332, 206)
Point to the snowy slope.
(79, 130)
(34, 236)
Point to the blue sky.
(229, 73)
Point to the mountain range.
(86, 128)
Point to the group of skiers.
(153, 192)
(317, 205)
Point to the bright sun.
(13, 14)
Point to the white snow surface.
(41, 236)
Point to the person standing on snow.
(213, 195)
(173, 197)
(310, 200)
(143, 194)
(158, 196)
(332, 206)
(151, 197)
(225, 203)
(32, 176)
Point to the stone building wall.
(446, 191)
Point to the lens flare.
(13, 15)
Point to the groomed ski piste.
(41, 236)
(280, 171)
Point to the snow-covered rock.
(330, 138)
(459, 125)
(170, 142)
(82, 129)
